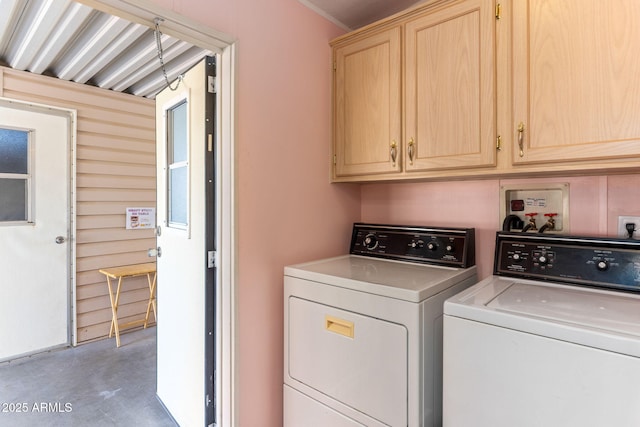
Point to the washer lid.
(395, 279)
(608, 320)
(613, 312)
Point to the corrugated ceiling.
(71, 41)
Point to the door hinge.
(211, 84)
(211, 259)
(498, 11)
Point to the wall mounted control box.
(530, 207)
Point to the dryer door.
(358, 360)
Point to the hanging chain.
(158, 35)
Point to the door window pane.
(178, 166)
(177, 195)
(14, 151)
(13, 199)
(15, 175)
(179, 133)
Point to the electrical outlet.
(622, 226)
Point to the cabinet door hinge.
(498, 10)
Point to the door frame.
(71, 117)
(144, 12)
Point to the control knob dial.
(602, 265)
(370, 241)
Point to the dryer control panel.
(443, 246)
(591, 261)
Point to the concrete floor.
(93, 384)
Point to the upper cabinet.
(449, 81)
(576, 80)
(367, 97)
(417, 94)
(471, 88)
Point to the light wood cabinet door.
(576, 80)
(450, 99)
(367, 104)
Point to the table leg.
(114, 310)
(114, 316)
(152, 299)
(115, 313)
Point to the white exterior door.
(186, 216)
(34, 229)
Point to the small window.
(15, 177)
(177, 166)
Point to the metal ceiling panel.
(71, 41)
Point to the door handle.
(159, 252)
(60, 240)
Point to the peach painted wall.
(283, 145)
(595, 202)
(288, 210)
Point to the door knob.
(60, 240)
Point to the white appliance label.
(536, 202)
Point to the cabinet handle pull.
(394, 151)
(411, 150)
(521, 138)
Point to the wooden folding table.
(120, 273)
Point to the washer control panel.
(593, 261)
(444, 246)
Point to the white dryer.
(552, 339)
(363, 332)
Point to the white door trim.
(71, 117)
(144, 12)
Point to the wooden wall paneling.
(97, 167)
(109, 155)
(115, 260)
(106, 248)
(115, 167)
(121, 143)
(28, 84)
(114, 181)
(109, 235)
(101, 208)
(113, 194)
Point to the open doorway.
(222, 46)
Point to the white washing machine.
(552, 339)
(363, 332)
